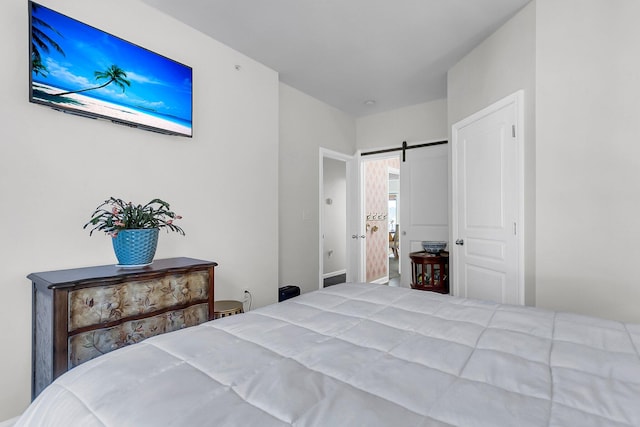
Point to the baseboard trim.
(334, 274)
(381, 281)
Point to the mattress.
(362, 355)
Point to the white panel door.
(355, 221)
(486, 203)
(424, 202)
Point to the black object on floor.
(334, 280)
(286, 292)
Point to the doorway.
(340, 239)
(334, 217)
(367, 228)
(378, 196)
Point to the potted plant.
(134, 228)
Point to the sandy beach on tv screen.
(111, 110)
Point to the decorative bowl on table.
(433, 247)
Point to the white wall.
(421, 122)
(577, 63)
(588, 157)
(335, 215)
(305, 125)
(55, 169)
(503, 64)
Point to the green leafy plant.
(114, 215)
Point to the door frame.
(395, 171)
(517, 99)
(352, 181)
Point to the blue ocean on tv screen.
(76, 67)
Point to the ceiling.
(395, 53)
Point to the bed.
(362, 355)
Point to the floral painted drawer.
(88, 345)
(104, 304)
(82, 313)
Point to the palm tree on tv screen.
(115, 74)
(40, 41)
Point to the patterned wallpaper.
(376, 202)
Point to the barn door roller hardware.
(404, 148)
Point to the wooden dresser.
(82, 313)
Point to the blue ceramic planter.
(136, 247)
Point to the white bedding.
(362, 355)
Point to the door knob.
(459, 242)
(355, 236)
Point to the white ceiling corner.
(345, 52)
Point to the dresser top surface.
(70, 277)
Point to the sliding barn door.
(424, 202)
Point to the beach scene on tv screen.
(76, 67)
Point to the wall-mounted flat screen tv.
(78, 69)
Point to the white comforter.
(362, 355)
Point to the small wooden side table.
(226, 308)
(430, 272)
